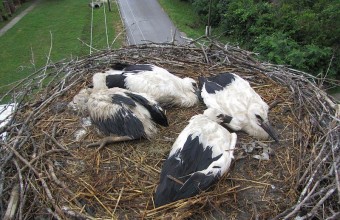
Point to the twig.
(336, 168)
(21, 184)
(45, 186)
(120, 195)
(68, 211)
(13, 203)
(174, 179)
(60, 183)
(48, 58)
(320, 203)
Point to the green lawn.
(184, 17)
(187, 20)
(26, 46)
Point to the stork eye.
(259, 118)
(194, 84)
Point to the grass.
(184, 17)
(26, 46)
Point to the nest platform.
(45, 173)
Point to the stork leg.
(109, 140)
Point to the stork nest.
(46, 173)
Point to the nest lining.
(45, 173)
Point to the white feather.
(241, 102)
(210, 133)
(161, 85)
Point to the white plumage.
(79, 101)
(234, 97)
(201, 154)
(164, 87)
(121, 114)
(6, 114)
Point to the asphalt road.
(145, 22)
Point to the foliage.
(304, 34)
(202, 8)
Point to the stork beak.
(197, 92)
(272, 133)
(226, 119)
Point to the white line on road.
(135, 21)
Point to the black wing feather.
(212, 87)
(115, 80)
(222, 79)
(197, 183)
(122, 100)
(184, 165)
(119, 66)
(138, 67)
(122, 123)
(156, 112)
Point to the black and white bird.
(79, 101)
(120, 114)
(201, 154)
(234, 96)
(164, 87)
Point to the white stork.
(201, 154)
(164, 87)
(122, 115)
(233, 96)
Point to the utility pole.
(208, 28)
(109, 4)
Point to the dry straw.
(45, 172)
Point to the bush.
(303, 34)
(281, 49)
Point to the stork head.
(217, 116)
(192, 84)
(258, 124)
(79, 101)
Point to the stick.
(13, 203)
(39, 176)
(120, 195)
(174, 179)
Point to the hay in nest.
(45, 172)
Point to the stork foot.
(109, 140)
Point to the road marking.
(136, 22)
(126, 20)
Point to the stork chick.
(233, 96)
(79, 101)
(164, 87)
(201, 154)
(123, 115)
